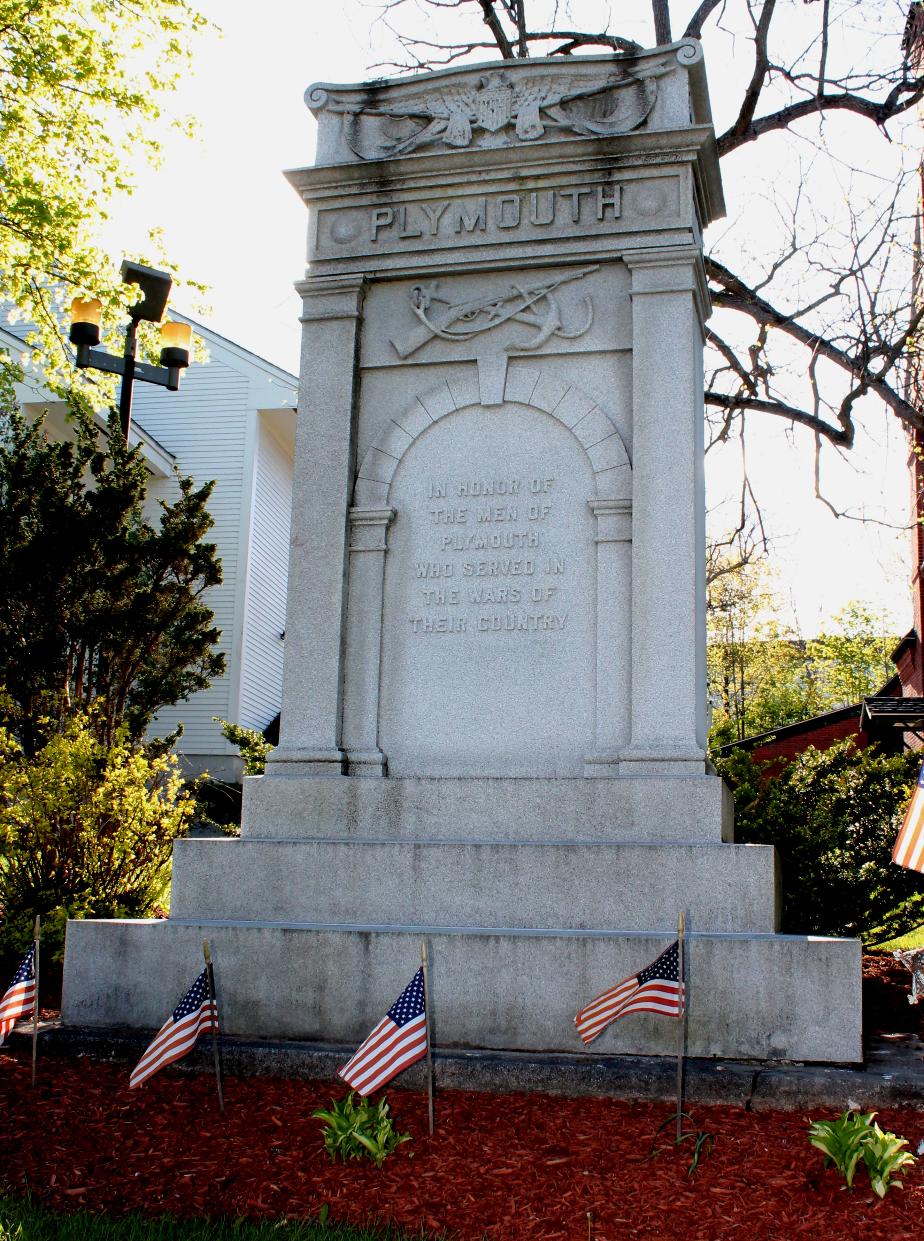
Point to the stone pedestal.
(494, 719)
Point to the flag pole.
(681, 1021)
(426, 983)
(210, 978)
(35, 1003)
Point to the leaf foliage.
(100, 606)
(853, 1139)
(86, 828)
(362, 1130)
(833, 816)
(82, 87)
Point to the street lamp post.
(86, 314)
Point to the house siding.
(265, 598)
(205, 426)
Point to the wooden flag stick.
(210, 978)
(681, 1022)
(426, 982)
(35, 1004)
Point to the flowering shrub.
(85, 830)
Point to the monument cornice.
(414, 173)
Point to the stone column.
(368, 545)
(614, 635)
(313, 671)
(669, 306)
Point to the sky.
(229, 218)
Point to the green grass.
(903, 943)
(23, 1220)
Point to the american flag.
(18, 1000)
(909, 846)
(398, 1040)
(657, 989)
(177, 1036)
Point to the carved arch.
(590, 424)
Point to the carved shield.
(494, 107)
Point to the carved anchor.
(460, 321)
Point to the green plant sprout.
(359, 1130)
(852, 1137)
(703, 1141)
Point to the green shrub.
(851, 1138)
(359, 1130)
(85, 830)
(841, 1141)
(251, 745)
(833, 815)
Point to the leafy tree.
(82, 83)
(811, 275)
(100, 607)
(854, 659)
(758, 676)
(763, 674)
(833, 816)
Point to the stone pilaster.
(668, 711)
(614, 635)
(328, 388)
(368, 545)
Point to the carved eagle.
(453, 114)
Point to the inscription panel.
(593, 207)
(488, 641)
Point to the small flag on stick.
(36, 935)
(909, 846)
(18, 1000)
(177, 1036)
(656, 989)
(400, 1039)
(216, 1053)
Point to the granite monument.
(494, 715)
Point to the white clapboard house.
(233, 420)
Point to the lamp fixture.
(176, 338)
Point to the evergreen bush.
(833, 816)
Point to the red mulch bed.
(502, 1167)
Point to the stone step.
(516, 990)
(689, 808)
(632, 887)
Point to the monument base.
(693, 808)
(534, 895)
(765, 997)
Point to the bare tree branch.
(781, 409)
(735, 294)
(493, 23)
(698, 20)
(576, 38)
(661, 11)
(900, 99)
(759, 74)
